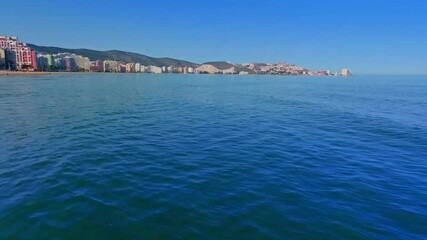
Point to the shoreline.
(13, 73)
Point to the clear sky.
(369, 36)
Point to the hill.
(117, 56)
(222, 65)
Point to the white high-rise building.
(82, 62)
(346, 72)
(143, 69)
(154, 69)
(169, 69)
(111, 66)
(137, 67)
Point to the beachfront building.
(24, 57)
(100, 65)
(122, 68)
(9, 44)
(137, 67)
(59, 63)
(2, 59)
(70, 64)
(154, 69)
(106, 66)
(130, 67)
(111, 66)
(50, 60)
(18, 55)
(321, 73)
(33, 59)
(63, 62)
(169, 69)
(185, 70)
(143, 69)
(42, 63)
(83, 63)
(10, 59)
(346, 72)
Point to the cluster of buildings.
(289, 69)
(75, 63)
(15, 55)
(276, 69)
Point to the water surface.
(213, 157)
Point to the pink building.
(8, 42)
(25, 58)
(33, 59)
(130, 67)
(70, 64)
(122, 68)
(100, 65)
(94, 68)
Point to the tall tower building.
(19, 55)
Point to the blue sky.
(375, 36)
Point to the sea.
(140, 156)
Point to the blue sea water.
(213, 157)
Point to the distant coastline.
(29, 73)
(20, 58)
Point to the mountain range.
(116, 55)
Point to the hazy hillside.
(226, 65)
(116, 55)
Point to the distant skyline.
(377, 36)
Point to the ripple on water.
(212, 157)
